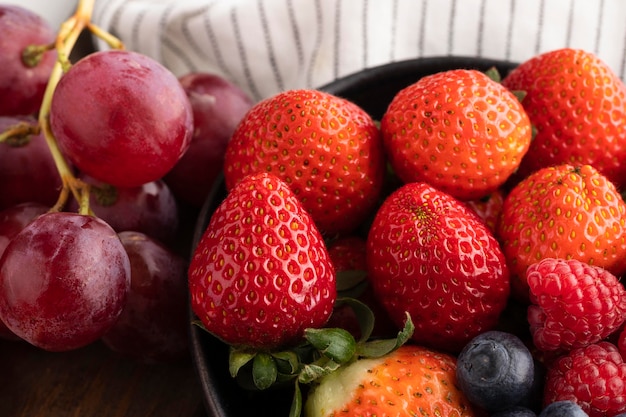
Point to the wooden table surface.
(93, 381)
(96, 382)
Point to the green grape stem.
(66, 39)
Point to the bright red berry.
(261, 274)
(577, 104)
(574, 304)
(326, 148)
(458, 130)
(428, 254)
(594, 377)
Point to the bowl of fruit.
(403, 215)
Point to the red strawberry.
(410, 381)
(594, 377)
(489, 208)
(457, 130)
(563, 212)
(261, 273)
(429, 255)
(574, 304)
(326, 148)
(578, 107)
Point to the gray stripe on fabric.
(540, 18)
(596, 48)
(242, 55)
(337, 49)
(318, 42)
(509, 31)
(270, 46)
(296, 33)
(219, 58)
(451, 27)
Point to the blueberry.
(495, 370)
(517, 411)
(563, 409)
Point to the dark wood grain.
(93, 381)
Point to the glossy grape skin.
(12, 221)
(121, 117)
(64, 280)
(27, 172)
(150, 208)
(154, 324)
(21, 86)
(218, 106)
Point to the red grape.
(12, 221)
(27, 171)
(154, 323)
(121, 117)
(218, 106)
(22, 85)
(149, 208)
(63, 281)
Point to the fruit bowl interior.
(373, 90)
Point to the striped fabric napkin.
(266, 46)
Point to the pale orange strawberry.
(410, 381)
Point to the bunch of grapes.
(97, 158)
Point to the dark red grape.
(149, 208)
(12, 221)
(121, 117)
(218, 106)
(64, 280)
(27, 171)
(154, 323)
(22, 85)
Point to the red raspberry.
(621, 342)
(573, 304)
(593, 376)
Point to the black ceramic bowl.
(372, 89)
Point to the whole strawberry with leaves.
(430, 255)
(327, 149)
(563, 211)
(260, 274)
(577, 105)
(459, 130)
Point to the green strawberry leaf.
(313, 371)
(237, 359)
(381, 347)
(296, 402)
(287, 362)
(333, 342)
(264, 371)
(494, 74)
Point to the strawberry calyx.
(323, 351)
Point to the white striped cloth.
(266, 46)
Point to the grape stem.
(66, 39)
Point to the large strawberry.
(326, 148)
(430, 255)
(410, 381)
(578, 106)
(565, 212)
(458, 130)
(261, 274)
